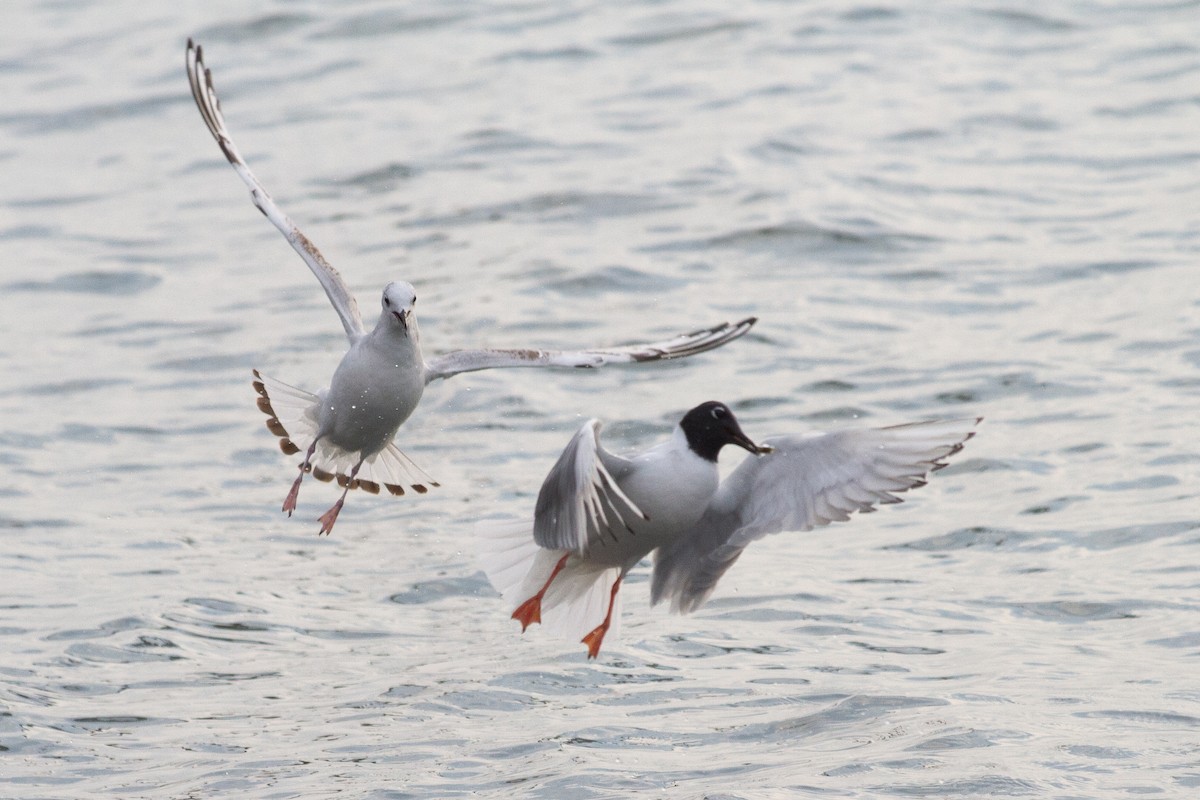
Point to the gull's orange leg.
(530, 611)
(594, 639)
(329, 517)
(289, 502)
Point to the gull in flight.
(599, 514)
(347, 430)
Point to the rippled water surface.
(982, 209)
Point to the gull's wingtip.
(699, 341)
(742, 327)
(739, 327)
(735, 330)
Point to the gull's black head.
(710, 426)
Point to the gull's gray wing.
(343, 302)
(580, 503)
(809, 481)
(688, 344)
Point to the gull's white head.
(399, 297)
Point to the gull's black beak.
(402, 316)
(738, 437)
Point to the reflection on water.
(987, 210)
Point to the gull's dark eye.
(414, 299)
(718, 412)
(387, 301)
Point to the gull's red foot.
(596, 638)
(329, 517)
(289, 502)
(529, 612)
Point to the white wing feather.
(339, 295)
(809, 481)
(580, 502)
(688, 344)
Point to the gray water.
(986, 209)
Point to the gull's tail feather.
(388, 470)
(518, 568)
(292, 416)
(291, 412)
(394, 468)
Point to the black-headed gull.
(347, 430)
(599, 514)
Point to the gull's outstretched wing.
(809, 481)
(580, 505)
(210, 109)
(689, 344)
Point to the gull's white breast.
(672, 486)
(373, 391)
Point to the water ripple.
(974, 210)
(92, 283)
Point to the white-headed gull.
(599, 514)
(347, 430)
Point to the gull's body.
(668, 484)
(380, 380)
(590, 524)
(347, 430)
(599, 514)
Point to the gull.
(598, 514)
(347, 430)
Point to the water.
(987, 209)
